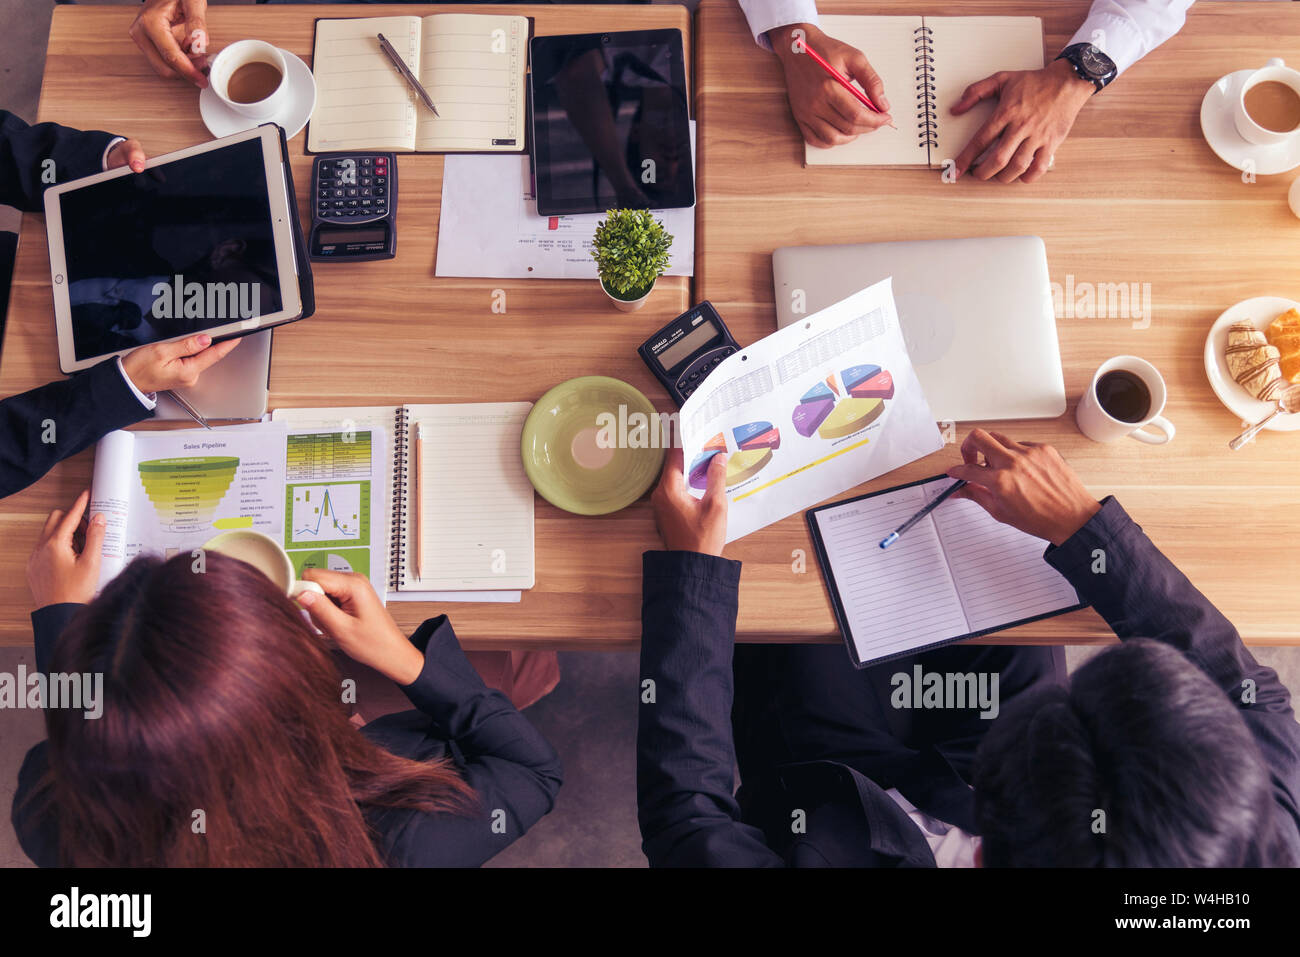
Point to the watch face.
(1095, 62)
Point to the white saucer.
(221, 120)
(1261, 311)
(1229, 145)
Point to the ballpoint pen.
(894, 535)
(188, 409)
(407, 75)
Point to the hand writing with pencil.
(825, 112)
(1026, 485)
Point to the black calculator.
(686, 350)
(354, 207)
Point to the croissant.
(1283, 333)
(1253, 362)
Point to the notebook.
(469, 506)
(929, 62)
(958, 573)
(473, 66)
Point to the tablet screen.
(179, 248)
(611, 127)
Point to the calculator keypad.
(698, 372)
(352, 188)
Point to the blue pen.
(897, 533)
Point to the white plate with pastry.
(1252, 355)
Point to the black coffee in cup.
(1124, 396)
(253, 82)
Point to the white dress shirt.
(1125, 30)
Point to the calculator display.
(692, 342)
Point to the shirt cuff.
(148, 401)
(103, 162)
(764, 15)
(1127, 31)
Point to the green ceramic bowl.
(565, 443)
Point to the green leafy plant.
(631, 251)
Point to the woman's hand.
(56, 571)
(687, 523)
(127, 153)
(351, 613)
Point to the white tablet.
(202, 241)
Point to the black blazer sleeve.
(512, 768)
(46, 425)
(23, 150)
(1142, 595)
(685, 753)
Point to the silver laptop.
(976, 314)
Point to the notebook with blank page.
(473, 65)
(958, 573)
(926, 63)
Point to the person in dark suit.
(45, 425)
(221, 722)
(1175, 748)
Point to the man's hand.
(687, 523)
(174, 365)
(56, 571)
(351, 613)
(1034, 114)
(127, 153)
(1025, 485)
(826, 113)
(173, 35)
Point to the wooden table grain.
(1136, 196)
(384, 333)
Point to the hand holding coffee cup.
(1125, 396)
(265, 554)
(249, 77)
(1266, 110)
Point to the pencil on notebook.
(419, 524)
(842, 80)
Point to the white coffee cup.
(1277, 72)
(265, 554)
(1100, 426)
(241, 53)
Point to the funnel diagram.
(185, 492)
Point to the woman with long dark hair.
(222, 738)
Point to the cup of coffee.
(249, 77)
(1126, 394)
(1267, 108)
(265, 554)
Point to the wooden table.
(395, 333)
(1136, 196)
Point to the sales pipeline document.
(806, 413)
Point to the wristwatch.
(1090, 63)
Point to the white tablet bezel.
(282, 234)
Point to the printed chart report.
(810, 411)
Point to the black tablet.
(611, 122)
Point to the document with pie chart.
(808, 412)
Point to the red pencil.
(841, 79)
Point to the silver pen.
(188, 409)
(407, 75)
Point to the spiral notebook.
(467, 511)
(926, 63)
(958, 573)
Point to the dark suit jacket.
(87, 406)
(685, 754)
(512, 768)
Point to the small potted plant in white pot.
(631, 252)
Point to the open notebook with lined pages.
(959, 573)
(473, 65)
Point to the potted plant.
(631, 252)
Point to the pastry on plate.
(1253, 362)
(1283, 333)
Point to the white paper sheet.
(814, 409)
(489, 227)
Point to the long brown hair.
(217, 697)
